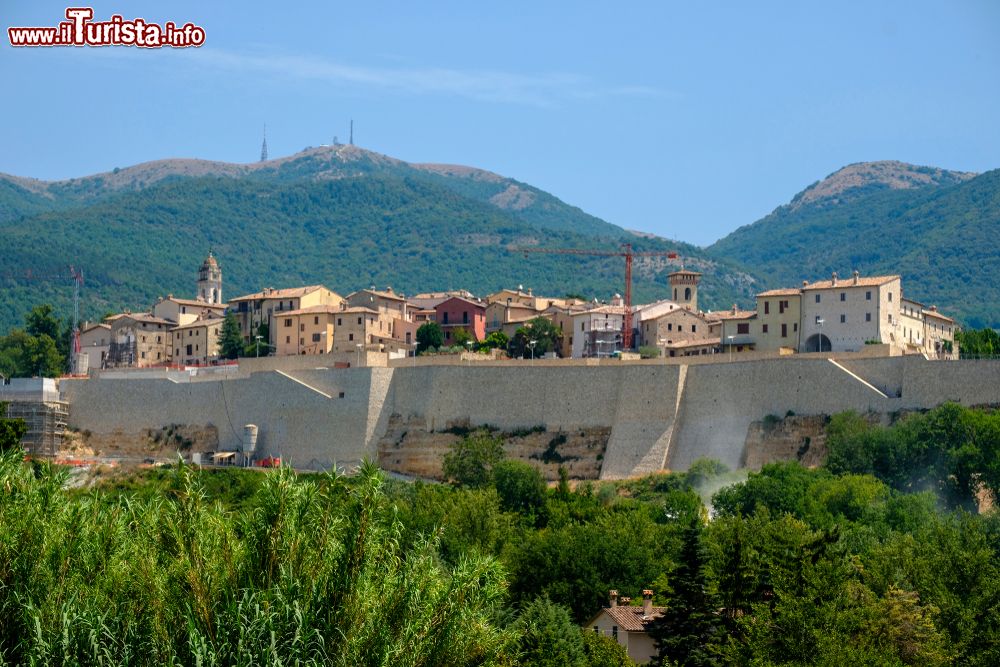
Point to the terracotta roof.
(610, 310)
(322, 308)
(473, 301)
(206, 322)
(631, 619)
(387, 294)
(870, 281)
(934, 313)
(787, 291)
(681, 344)
(731, 314)
(286, 293)
(97, 325)
(196, 302)
(358, 309)
(146, 317)
(686, 272)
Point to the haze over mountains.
(350, 218)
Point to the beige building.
(779, 312)
(139, 340)
(926, 331)
(677, 330)
(684, 285)
(185, 311)
(95, 343)
(197, 343)
(629, 625)
(354, 329)
(735, 329)
(393, 310)
(264, 307)
(306, 330)
(843, 315)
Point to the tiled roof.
(731, 314)
(98, 325)
(387, 294)
(870, 281)
(610, 310)
(286, 293)
(631, 619)
(358, 309)
(788, 291)
(936, 314)
(322, 308)
(197, 324)
(146, 317)
(196, 302)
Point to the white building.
(843, 315)
(597, 332)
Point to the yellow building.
(184, 311)
(779, 312)
(197, 343)
(306, 330)
(354, 329)
(264, 307)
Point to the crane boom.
(628, 254)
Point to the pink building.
(459, 313)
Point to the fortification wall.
(659, 415)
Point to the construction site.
(37, 402)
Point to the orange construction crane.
(628, 254)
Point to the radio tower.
(263, 146)
(352, 132)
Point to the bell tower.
(684, 288)
(210, 280)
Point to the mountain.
(338, 215)
(938, 229)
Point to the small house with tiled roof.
(629, 625)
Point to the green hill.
(340, 216)
(940, 230)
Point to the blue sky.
(683, 119)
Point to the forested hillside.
(937, 229)
(343, 217)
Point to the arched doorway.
(818, 343)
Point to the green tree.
(542, 331)
(260, 345)
(549, 638)
(429, 334)
(687, 630)
(230, 338)
(41, 321)
(604, 651)
(520, 486)
(11, 430)
(496, 340)
(472, 459)
(461, 337)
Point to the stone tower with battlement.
(210, 281)
(684, 288)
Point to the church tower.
(684, 287)
(210, 281)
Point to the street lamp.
(531, 344)
(358, 345)
(256, 348)
(730, 339)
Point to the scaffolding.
(46, 422)
(37, 402)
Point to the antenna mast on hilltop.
(263, 146)
(352, 132)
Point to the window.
(868, 295)
(767, 307)
(445, 320)
(614, 631)
(350, 336)
(784, 331)
(670, 326)
(158, 355)
(142, 355)
(890, 297)
(316, 320)
(143, 339)
(843, 296)
(302, 327)
(818, 319)
(316, 337)
(340, 321)
(687, 293)
(763, 328)
(868, 317)
(288, 321)
(465, 317)
(817, 298)
(288, 340)
(581, 326)
(302, 341)
(694, 328)
(743, 328)
(359, 320)
(189, 349)
(843, 318)
(890, 318)
(795, 326)
(781, 307)
(196, 347)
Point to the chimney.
(734, 309)
(613, 594)
(647, 603)
(625, 601)
(933, 309)
(857, 277)
(805, 283)
(529, 292)
(834, 281)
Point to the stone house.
(95, 343)
(306, 330)
(629, 625)
(139, 340)
(197, 343)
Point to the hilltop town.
(833, 315)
